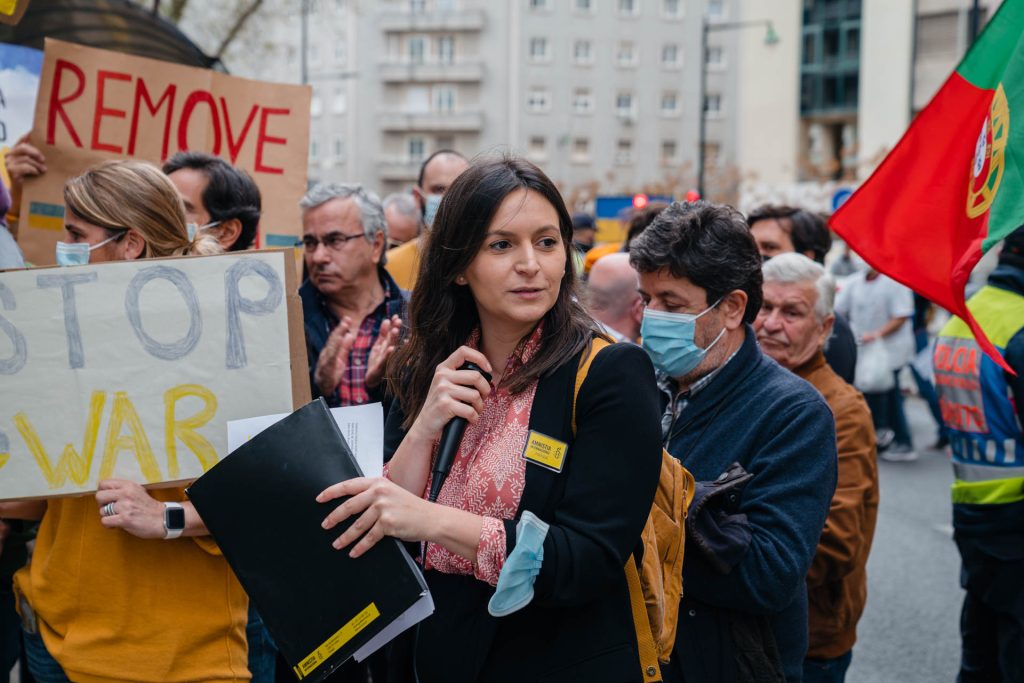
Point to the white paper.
(420, 610)
(362, 427)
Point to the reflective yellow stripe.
(992, 492)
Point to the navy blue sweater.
(779, 428)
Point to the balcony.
(398, 169)
(408, 72)
(456, 20)
(431, 121)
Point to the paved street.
(909, 632)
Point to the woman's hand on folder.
(386, 509)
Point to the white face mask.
(194, 229)
(77, 253)
(430, 211)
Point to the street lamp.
(770, 38)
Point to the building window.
(583, 5)
(540, 5)
(339, 104)
(670, 55)
(339, 149)
(673, 9)
(417, 6)
(316, 107)
(626, 53)
(670, 103)
(713, 104)
(340, 52)
(581, 149)
(582, 101)
(444, 5)
(629, 8)
(314, 150)
(539, 50)
(444, 99)
(417, 150)
(716, 9)
(668, 152)
(416, 49)
(446, 50)
(625, 106)
(715, 57)
(538, 145)
(582, 53)
(538, 100)
(624, 152)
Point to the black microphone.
(451, 437)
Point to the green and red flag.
(954, 185)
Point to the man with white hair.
(794, 323)
(353, 309)
(613, 297)
(405, 220)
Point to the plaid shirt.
(320, 320)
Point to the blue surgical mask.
(194, 229)
(669, 340)
(77, 253)
(430, 211)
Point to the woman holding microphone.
(525, 547)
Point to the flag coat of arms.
(954, 185)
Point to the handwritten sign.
(132, 369)
(95, 105)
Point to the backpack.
(656, 586)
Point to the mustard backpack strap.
(644, 638)
(586, 359)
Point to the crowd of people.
(735, 353)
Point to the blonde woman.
(125, 585)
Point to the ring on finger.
(108, 510)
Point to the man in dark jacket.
(744, 614)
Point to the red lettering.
(57, 102)
(942, 353)
(142, 93)
(263, 138)
(234, 147)
(194, 98)
(101, 111)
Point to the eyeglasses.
(334, 241)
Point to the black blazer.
(579, 626)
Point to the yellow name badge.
(544, 451)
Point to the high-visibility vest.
(984, 433)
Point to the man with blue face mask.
(753, 529)
(437, 173)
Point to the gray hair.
(793, 268)
(371, 212)
(405, 203)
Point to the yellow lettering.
(71, 465)
(4, 457)
(124, 412)
(175, 429)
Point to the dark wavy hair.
(442, 314)
(708, 244)
(808, 231)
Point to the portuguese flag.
(954, 185)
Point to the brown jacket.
(837, 580)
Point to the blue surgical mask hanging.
(669, 340)
(194, 229)
(430, 210)
(77, 253)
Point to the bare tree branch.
(243, 17)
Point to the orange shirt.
(114, 607)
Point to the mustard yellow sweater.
(113, 607)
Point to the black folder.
(259, 504)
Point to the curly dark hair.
(807, 230)
(709, 245)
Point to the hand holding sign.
(23, 161)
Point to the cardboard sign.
(95, 105)
(11, 11)
(132, 369)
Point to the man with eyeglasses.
(353, 309)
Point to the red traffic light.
(640, 201)
(692, 195)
